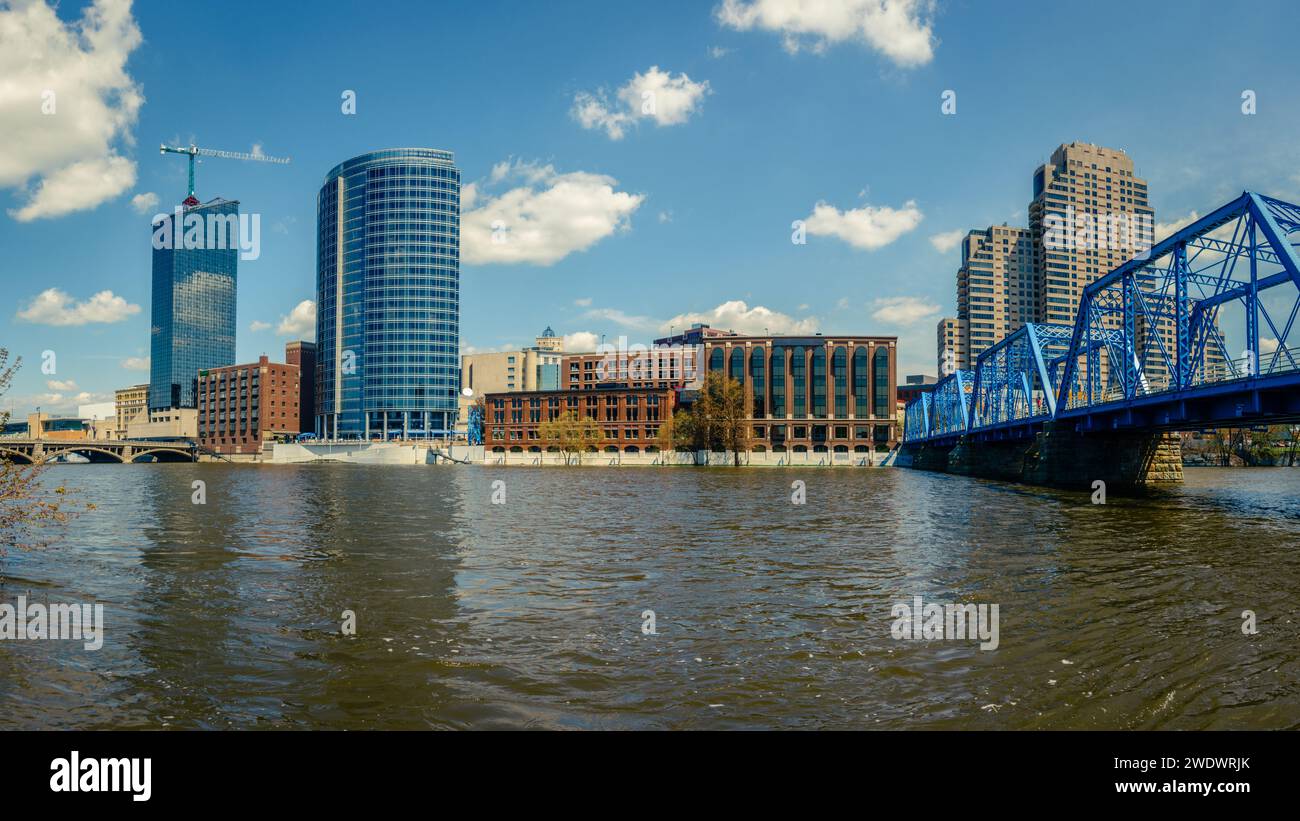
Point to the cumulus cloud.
(947, 241)
(868, 227)
(655, 95)
(136, 363)
(901, 30)
(544, 219)
(258, 325)
(145, 203)
(581, 342)
(902, 310)
(65, 103)
(55, 307)
(61, 385)
(301, 321)
(620, 317)
(737, 316)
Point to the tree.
(716, 420)
(25, 506)
(570, 434)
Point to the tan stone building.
(130, 403)
(529, 369)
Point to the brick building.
(303, 354)
(240, 406)
(833, 394)
(628, 418)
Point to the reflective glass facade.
(193, 312)
(388, 295)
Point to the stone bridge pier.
(1059, 456)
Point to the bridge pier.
(1061, 457)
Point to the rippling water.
(769, 614)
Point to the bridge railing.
(1015, 380)
(916, 419)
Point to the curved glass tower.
(388, 295)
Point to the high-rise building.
(952, 343)
(193, 304)
(303, 354)
(388, 295)
(1102, 217)
(995, 292)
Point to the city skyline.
(684, 229)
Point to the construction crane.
(194, 151)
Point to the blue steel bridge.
(1147, 350)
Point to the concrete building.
(303, 355)
(241, 406)
(165, 423)
(995, 291)
(537, 368)
(628, 418)
(951, 343)
(100, 419)
(130, 405)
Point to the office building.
(303, 355)
(129, 405)
(242, 406)
(995, 293)
(832, 394)
(193, 300)
(388, 295)
(628, 419)
(535, 368)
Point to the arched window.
(840, 371)
(798, 382)
(778, 383)
(756, 375)
(861, 409)
(819, 383)
(880, 367)
(738, 365)
(715, 359)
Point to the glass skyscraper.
(388, 295)
(193, 304)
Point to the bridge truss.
(1148, 347)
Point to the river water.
(767, 614)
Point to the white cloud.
(1267, 344)
(665, 216)
(258, 325)
(583, 302)
(736, 316)
(902, 310)
(581, 342)
(843, 303)
(145, 203)
(55, 307)
(623, 318)
(66, 160)
(544, 220)
(301, 321)
(1164, 229)
(718, 52)
(901, 30)
(61, 385)
(136, 363)
(868, 227)
(656, 95)
(947, 241)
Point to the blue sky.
(684, 216)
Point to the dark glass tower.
(388, 295)
(193, 306)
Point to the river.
(766, 613)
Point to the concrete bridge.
(44, 451)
